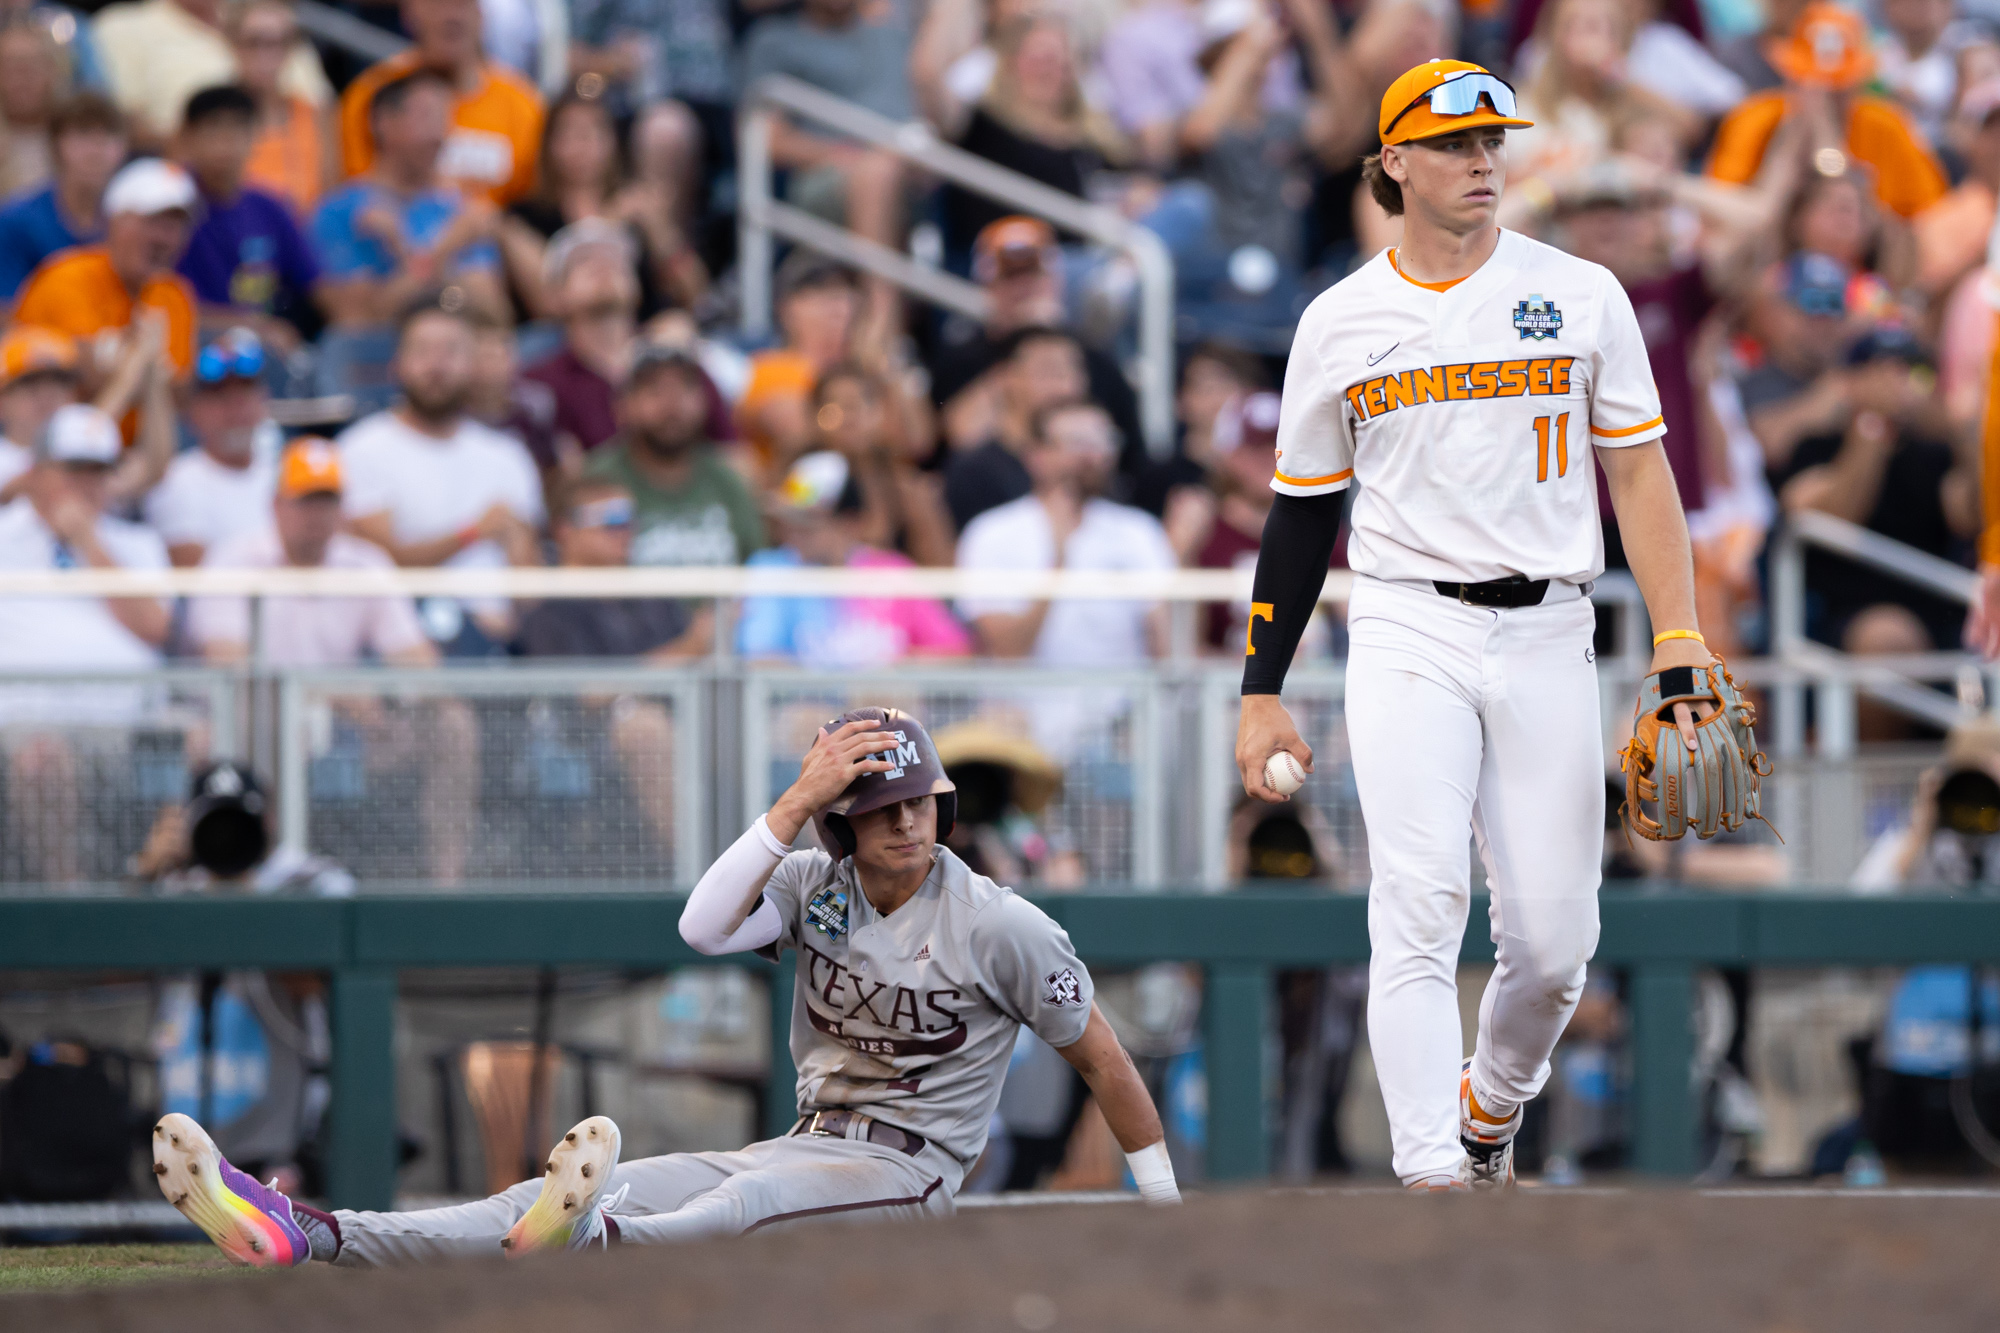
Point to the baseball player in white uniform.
(914, 977)
(1462, 385)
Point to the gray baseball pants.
(685, 1196)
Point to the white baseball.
(1282, 773)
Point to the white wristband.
(770, 839)
(1153, 1173)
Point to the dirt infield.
(1672, 1262)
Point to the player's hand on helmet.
(838, 757)
(1687, 653)
(1265, 729)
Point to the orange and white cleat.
(569, 1212)
(1489, 1143)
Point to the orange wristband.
(1666, 634)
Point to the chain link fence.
(625, 777)
(1100, 731)
(496, 777)
(1832, 811)
(89, 764)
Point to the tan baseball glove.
(1708, 789)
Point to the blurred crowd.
(271, 307)
(478, 304)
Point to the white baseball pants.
(1472, 718)
(685, 1196)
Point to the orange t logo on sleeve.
(1258, 611)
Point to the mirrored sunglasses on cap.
(613, 511)
(1459, 96)
(230, 359)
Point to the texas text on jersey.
(913, 1016)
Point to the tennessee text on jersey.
(1457, 383)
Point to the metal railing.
(1837, 678)
(337, 27)
(482, 773)
(763, 216)
(612, 776)
(551, 753)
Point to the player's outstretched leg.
(1489, 1143)
(569, 1212)
(253, 1224)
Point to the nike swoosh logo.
(1379, 355)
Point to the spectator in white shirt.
(60, 523)
(432, 486)
(223, 487)
(438, 737)
(1064, 523)
(300, 529)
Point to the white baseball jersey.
(1465, 412)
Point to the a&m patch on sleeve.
(1062, 989)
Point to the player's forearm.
(1126, 1106)
(1654, 531)
(1121, 1094)
(1291, 572)
(726, 912)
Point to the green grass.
(64, 1267)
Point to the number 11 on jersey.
(1542, 447)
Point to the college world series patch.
(827, 913)
(1537, 319)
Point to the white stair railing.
(1899, 683)
(761, 216)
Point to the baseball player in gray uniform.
(914, 977)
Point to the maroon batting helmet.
(918, 772)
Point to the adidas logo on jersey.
(924, 954)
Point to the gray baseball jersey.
(911, 1018)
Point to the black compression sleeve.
(1291, 570)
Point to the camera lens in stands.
(1968, 802)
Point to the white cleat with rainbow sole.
(569, 1212)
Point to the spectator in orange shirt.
(497, 121)
(1825, 62)
(294, 155)
(92, 291)
(819, 309)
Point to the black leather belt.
(1512, 591)
(835, 1124)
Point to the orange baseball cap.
(310, 466)
(1011, 245)
(1443, 96)
(1828, 48)
(28, 350)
